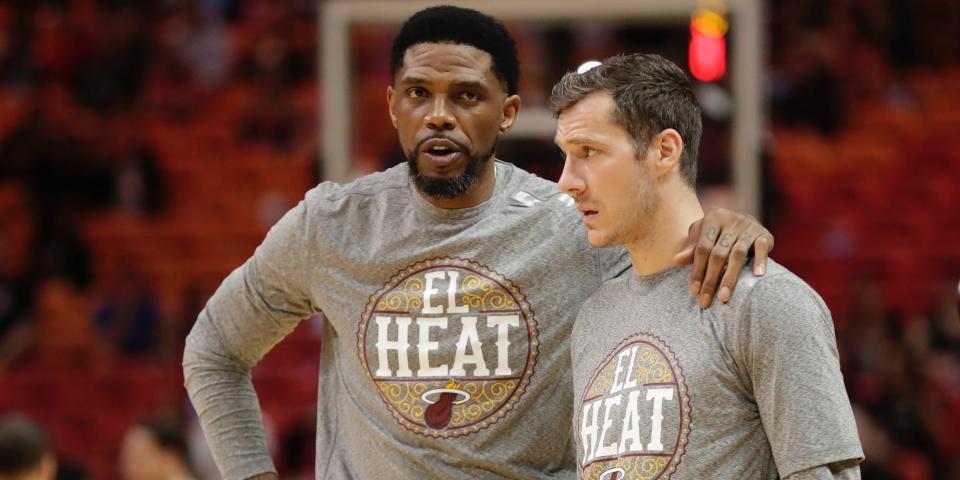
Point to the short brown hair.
(651, 94)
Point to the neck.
(176, 470)
(668, 231)
(480, 192)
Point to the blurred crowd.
(85, 85)
(80, 80)
(828, 57)
(151, 449)
(903, 376)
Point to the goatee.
(448, 187)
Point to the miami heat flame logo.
(451, 346)
(441, 402)
(634, 419)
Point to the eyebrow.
(581, 140)
(470, 84)
(474, 84)
(413, 80)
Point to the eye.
(589, 152)
(469, 96)
(417, 92)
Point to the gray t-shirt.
(445, 347)
(749, 389)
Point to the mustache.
(463, 148)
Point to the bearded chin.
(449, 187)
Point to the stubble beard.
(639, 219)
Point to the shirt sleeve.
(795, 374)
(254, 308)
(823, 472)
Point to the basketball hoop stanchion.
(745, 69)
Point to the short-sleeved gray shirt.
(749, 389)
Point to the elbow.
(205, 353)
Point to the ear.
(391, 103)
(669, 147)
(511, 107)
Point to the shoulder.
(331, 206)
(329, 198)
(379, 183)
(781, 292)
(527, 189)
(776, 305)
(540, 200)
(779, 289)
(539, 187)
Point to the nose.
(440, 117)
(571, 181)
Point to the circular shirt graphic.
(450, 345)
(634, 419)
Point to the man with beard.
(662, 388)
(449, 286)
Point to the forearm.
(827, 472)
(238, 326)
(226, 404)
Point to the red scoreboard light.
(708, 45)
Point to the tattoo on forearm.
(712, 234)
(725, 240)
